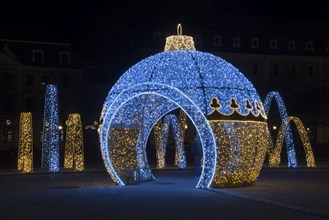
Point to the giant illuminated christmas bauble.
(220, 101)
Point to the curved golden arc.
(274, 157)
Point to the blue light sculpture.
(292, 161)
(161, 133)
(50, 136)
(185, 79)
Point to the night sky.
(70, 20)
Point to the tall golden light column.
(123, 151)
(25, 143)
(74, 152)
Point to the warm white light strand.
(162, 136)
(25, 143)
(74, 151)
(276, 153)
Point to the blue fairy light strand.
(292, 161)
(50, 136)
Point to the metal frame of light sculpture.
(50, 134)
(25, 143)
(74, 151)
(162, 141)
(310, 161)
(292, 161)
(178, 79)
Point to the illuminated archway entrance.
(169, 99)
(218, 99)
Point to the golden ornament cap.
(179, 41)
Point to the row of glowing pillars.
(25, 149)
(60, 127)
(95, 124)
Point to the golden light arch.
(275, 156)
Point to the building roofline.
(36, 42)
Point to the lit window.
(64, 57)
(309, 46)
(217, 41)
(236, 42)
(291, 45)
(38, 56)
(274, 44)
(255, 43)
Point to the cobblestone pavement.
(279, 193)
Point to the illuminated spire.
(179, 41)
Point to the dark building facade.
(287, 55)
(29, 60)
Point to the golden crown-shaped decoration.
(179, 41)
